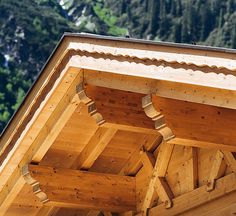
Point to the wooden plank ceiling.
(128, 167)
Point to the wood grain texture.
(88, 190)
(198, 122)
(197, 197)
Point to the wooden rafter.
(133, 165)
(202, 144)
(94, 148)
(51, 132)
(74, 188)
(37, 140)
(200, 196)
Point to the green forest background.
(30, 29)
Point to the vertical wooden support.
(158, 182)
(215, 170)
(192, 169)
(230, 160)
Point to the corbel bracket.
(34, 184)
(157, 117)
(92, 110)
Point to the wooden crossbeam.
(133, 165)
(215, 170)
(200, 196)
(157, 182)
(80, 189)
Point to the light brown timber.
(82, 189)
(200, 196)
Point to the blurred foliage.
(30, 29)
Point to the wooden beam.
(197, 197)
(199, 122)
(202, 144)
(162, 88)
(157, 183)
(107, 213)
(93, 213)
(134, 164)
(230, 160)
(94, 148)
(47, 210)
(81, 189)
(148, 160)
(215, 170)
(133, 128)
(224, 206)
(192, 170)
(50, 136)
(31, 142)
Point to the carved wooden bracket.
(34, 184)
(157, 117)
(92, 110)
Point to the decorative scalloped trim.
(92, 110)
(157, 117)
(155, 61)
(34, 184)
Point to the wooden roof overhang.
(124, 126)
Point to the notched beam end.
(34, 184)
(149, 108)
(92, 110)
(166, 133)
(156, 116)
